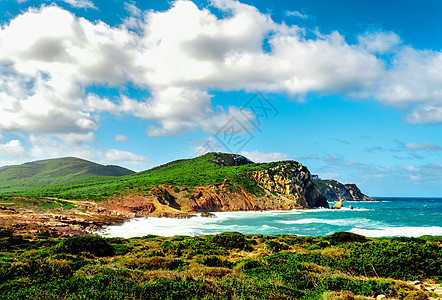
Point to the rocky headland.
(336, 191)
(281, 185)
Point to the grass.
(200, 171)
(44, 173)
(216, 267)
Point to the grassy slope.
(49, 172)
(198, 171)
(223, 266)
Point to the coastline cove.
(412, 217)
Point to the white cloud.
(380, 42)
(425, 114)
(296, 14)
(121, 138)
(43, 146)
(13, 148)
(260, 157)
(80, 3)
(76, 138)
(176, 109)
(206, 145)
(125, 157)
(48, 57)
(423, 147)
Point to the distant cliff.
(275, 186)
(335, 191)
(291, 180)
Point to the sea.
(390, 217)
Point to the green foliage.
(274, 246)
(213, 267)
(95, 245)
(44, 173)
(5, 233)
(395, 259)
(230, 240)
(215, 261)
(345, 237)
(200, 171)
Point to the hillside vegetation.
(224, 266)
(44, 173)
(198, 171)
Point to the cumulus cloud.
(379, 42)
(48, 58)
(13, 148)
(425, 114)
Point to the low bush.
(274, 246)
(95, 245)
(345, 237)
(230, 240)
(215, 261)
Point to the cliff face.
(285, 186)
(293, 181)
(335, 191)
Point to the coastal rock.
(207, 215)
(334, 191)
(225, 160)
(338, 205)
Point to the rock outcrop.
(293, 181)
(338, 205)
(335, 191)
(286, 185)
(227, 160)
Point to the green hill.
(207, 169)
(45, 173)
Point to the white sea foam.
(302, 222)
(337, 222)
(164, 227)
(399, 231)
(264, 227)
(321, 210)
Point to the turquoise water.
(390, 217)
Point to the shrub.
(121, 249)
(230, 240)
(215, 261)
(275, 246)
(406, 239)
(5, 233)
(92, 244)
(345, 237)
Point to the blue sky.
(352, 89)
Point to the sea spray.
(391, 217)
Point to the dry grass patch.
(205, 273)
